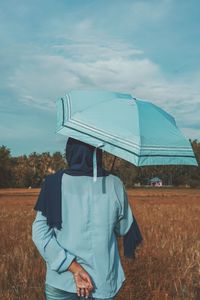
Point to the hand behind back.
(83, 283)
(82, 279)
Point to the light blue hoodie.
(92, 220)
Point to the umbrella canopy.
(135, 130)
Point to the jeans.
(53, 293)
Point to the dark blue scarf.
(79, 156)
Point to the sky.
(150, 49)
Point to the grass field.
(167, 264)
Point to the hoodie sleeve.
(125, 217)
(126, 224)
(44, 238)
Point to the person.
(76, 228)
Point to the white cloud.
(150, 11)
(85, 57)
(17, 131)
(50, 76)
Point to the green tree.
(5, 167)
(58, 161)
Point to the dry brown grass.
(167, 264)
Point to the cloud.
(41, 78)
(150, 11)
(19, 131)
(78, 52)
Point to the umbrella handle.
(113, 164)
(95, 161)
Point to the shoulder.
(116, 180)
(117, 184)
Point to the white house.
(155, 181)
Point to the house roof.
(155, 179)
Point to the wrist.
(75, 267)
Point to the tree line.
(30, 170)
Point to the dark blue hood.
(79, 156)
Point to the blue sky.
(150, 49)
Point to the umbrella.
(130, 128)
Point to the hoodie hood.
(83, 159)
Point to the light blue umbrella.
(135, 130)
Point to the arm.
(58, 258)
(125, 217)
(44, 238)
(127, 224)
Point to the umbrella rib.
(113, 164)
